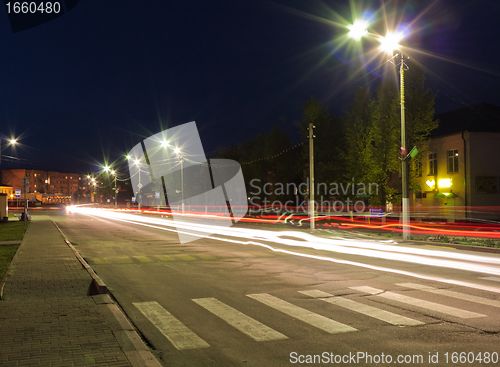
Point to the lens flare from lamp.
(390, 42)
(358, 29)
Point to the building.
(48, 187)
(6, 189)
(461, 175)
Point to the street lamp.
(178, 152)
(388, 44)
(137, 162)
(113, 172)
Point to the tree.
(373, 135)
(387, 142)
(420, 120)
(359, 154)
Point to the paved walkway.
(47, 317)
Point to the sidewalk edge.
(129, 340)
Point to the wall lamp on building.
(444, 183)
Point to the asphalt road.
(218, 302)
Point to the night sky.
(83, 89)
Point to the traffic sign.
(133, 199)
(157, 195)
(376, 213)
(18, 194)
(25, 180)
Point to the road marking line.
(143, 259)
(164, 258)
(175, 331)
(206, 257)
(367, 310)
(419, 302)
(495, 279)
(101, 260)
(321, 322)
(253, 328)
(123, 260)
(186, 257)
(446, 292)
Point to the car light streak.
(487, 264)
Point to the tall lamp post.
(115, 190)
(178, 152)
(388, 44)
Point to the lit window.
(453, 161)
(433, 164)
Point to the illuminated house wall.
(472, 135)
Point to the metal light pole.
(114, 189)
(311, 175)
(182, 184)
(404, 162)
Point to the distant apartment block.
(47, 187)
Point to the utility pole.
(311, 174)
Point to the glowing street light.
(358, 29)
(390, 42)
(165, 143)
(13, 141)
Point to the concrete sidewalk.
(48, 318)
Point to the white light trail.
(487, 264)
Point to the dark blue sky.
(86, 87)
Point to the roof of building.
(3, 185)
(481, 117)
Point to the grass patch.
(13, 231)
(7, 252)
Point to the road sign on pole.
(18, 194)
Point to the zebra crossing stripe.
(175, 331)
(419, 302)
(367, 310)
(311, 318)
(448, 293)
(253, 328)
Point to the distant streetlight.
(11, 142)
(389, 44)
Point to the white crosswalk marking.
(419, 302)
(446, 292)
(240, 321)
(311, 318)
(495, 279)
(179, 335)
(367, 310)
